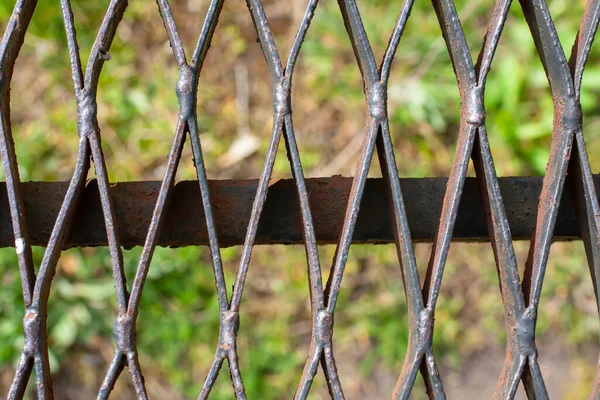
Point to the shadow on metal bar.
(280, 222)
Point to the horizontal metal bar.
(280, 223)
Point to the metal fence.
(437, 201)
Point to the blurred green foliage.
(178, 324)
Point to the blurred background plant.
(178, 323)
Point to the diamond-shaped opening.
(275, 322)
(327, 97)
(469, 336)
(423, 101)
(590, 104)
(371, 325)
(43, 107)
(566, 19)
(178, 323)
(235, 98)
(11, 310)
(518, 100)
(137, 106)
(567, 327)
(81, 313)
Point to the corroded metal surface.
(568, 163)
(281, 221)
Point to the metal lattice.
(568, 162)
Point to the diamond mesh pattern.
(568, 162)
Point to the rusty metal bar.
(280, 222)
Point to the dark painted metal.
(343, 210)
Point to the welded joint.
(570, 114)
(124, 333)
(31, 329)
(377, 100)
(524, 331)
(473, 107)
(185, 90)
(425, 329)
(323, 327)
(87, 110)
(230, 324)
(282, 98)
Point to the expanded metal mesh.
(568, 162)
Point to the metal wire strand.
(88, 129)
(10, 47)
